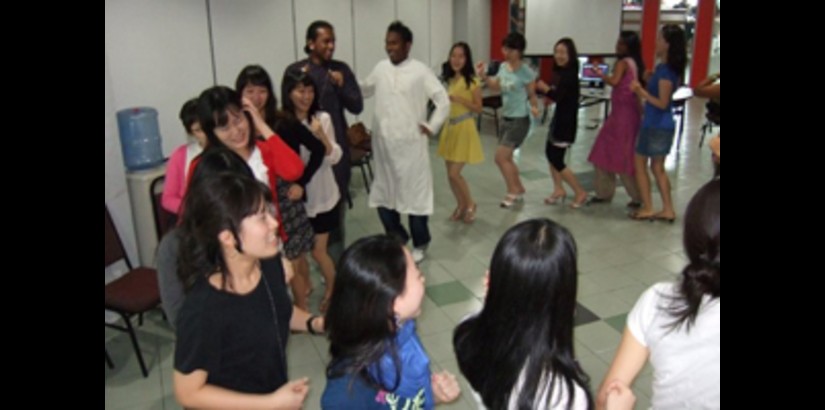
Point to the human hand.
(445, 387)
(424, 130)
(619, 396)
(291, 395)
(481, 69)
(315, 127)
(296, 192)
(336, 77)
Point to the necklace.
(281, 348)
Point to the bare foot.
(457, 214)
(642, 215)
(666, 216)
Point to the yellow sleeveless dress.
(460, 142)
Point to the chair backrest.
(358, 136)
(357, 156)
(114, 247)
(492, 101)
(164, 220)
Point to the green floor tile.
(617, 322)
(448, 293)
(533, 175)
(584, 315)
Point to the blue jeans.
(391, 220)
(654, 142)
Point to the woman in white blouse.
(677, 326)
(322, 193)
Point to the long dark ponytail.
(703, 247)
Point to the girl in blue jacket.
(378, 361)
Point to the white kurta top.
(403, 179)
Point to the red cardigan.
(281, 162)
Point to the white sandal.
(511, 199)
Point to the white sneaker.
(419, 254)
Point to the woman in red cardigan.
(227, 124)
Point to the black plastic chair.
(491, 103)
(131, 294)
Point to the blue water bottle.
(140, 137)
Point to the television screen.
(589, 74)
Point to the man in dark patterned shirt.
(336, 89)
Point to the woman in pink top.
(174, 186)
(615, 145)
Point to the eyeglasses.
(235, 121)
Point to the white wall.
(369, 41)
(481, 20)
(441, 32)
(160, 53)
(460, 20)
(252, 32)
(115, 195)
(337, 13)
(416, 15)
(593, 24)
(157, 54)
(471, 24)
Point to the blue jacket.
(414, 392)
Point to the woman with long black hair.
(517, 353)
(658, 128)
(615, 145)
(678, 326)
(459, 142)
(564, 91)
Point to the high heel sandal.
(554, 199)
(511, 199)
(470, 214)
(576, 204)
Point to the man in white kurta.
(403, 182)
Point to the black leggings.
(555, 155)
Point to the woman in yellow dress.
(460, 143)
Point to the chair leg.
(366, 179)
(140, 319)
(369, 168)
(495, 116)
(349, 199)
(108, 359)
(133, 336)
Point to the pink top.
(174, 185)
